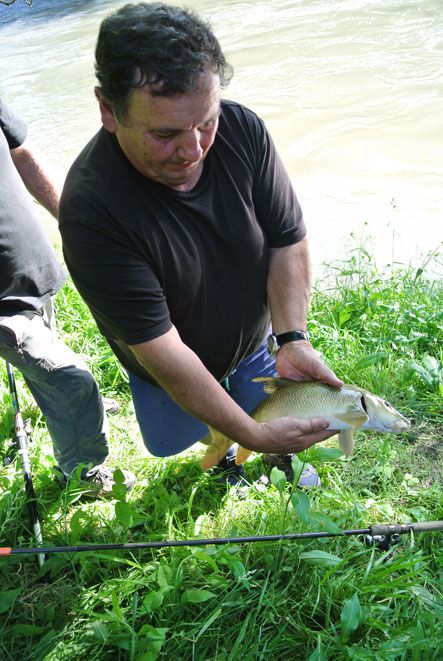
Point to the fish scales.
(311, 400)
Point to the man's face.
(167, 138)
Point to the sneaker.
(229, 472)
(111, 405)
(308, 478)
(101, 477)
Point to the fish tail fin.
(218, 448)
(242, 455)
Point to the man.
(30, 275)
(183, 234)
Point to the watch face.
(272, 345)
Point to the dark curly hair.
(165, 47)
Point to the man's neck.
(189, 185)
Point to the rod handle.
(5, 550)
(402, 528)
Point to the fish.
(347, 408)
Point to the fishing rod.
(22, 440)
(383, 535)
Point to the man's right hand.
(287, 435)
(278, 436)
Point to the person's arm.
(35, 178)
(288, 288)
(179, 371)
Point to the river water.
(352, 91)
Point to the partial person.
(30, 275)
(184, 236)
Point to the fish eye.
(387, 404)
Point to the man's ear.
(106, 111)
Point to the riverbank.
(324, 599)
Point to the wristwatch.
(276, 341)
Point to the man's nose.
(190, 148)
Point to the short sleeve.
(14, 128)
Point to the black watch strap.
(291, 336)
(276, 341)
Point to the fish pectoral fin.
(242, 455)
(271, 383)
(352, 418)
(346, 441)
(218, 448)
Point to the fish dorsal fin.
(272, 383)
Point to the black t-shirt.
(145, 256)
(29, 271)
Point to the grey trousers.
(61, 384)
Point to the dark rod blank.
(383, 529)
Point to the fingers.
(295, 434)
(325, 374)
(301, 362)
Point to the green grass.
(334, 598)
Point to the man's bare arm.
(288, 289)
(179, 371)
(35, 178)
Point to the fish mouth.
(401, 425)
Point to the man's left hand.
(299, 361)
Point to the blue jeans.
(167, 429)
(61, 384)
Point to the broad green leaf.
(123, 513)
(321, 558)
(153, 600)
(344, 316)
(323, 523)
(196, 596)
(150, 640)
(164, 575)
(119, 477)
(278, 478)
(153, 633)
(423, 373)
(100, 630)
(76, 526)
(432, 365)
(123, 643)
(350, 615)
(297, 466)
(319, 454)
(237, 568)
(27, 629)
(204, 557)
(318, 654)
(301, 503)
(7, 599)
(233, 562)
